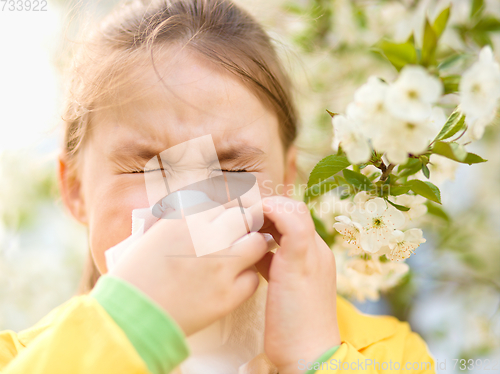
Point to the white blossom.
(403, 244)
(350, 232)
(476, 126)
(329, 205)
(399, 138)
(416, 203)
(397, 118)
(364, 286)
(437, 119)
(410, 98)
(367, 267)
(365, 279)
(349, 135)
(378, 220)
(392, 272)
(356, 285)
(361, 198)
(369, 170)
(480, 91)
(368, 106)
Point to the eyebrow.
(240, 152)
(233, 152)
(135, 150)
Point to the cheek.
(267, 185)
(111, 214)
(271, 181)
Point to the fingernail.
(271, 243)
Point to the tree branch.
(386, 171)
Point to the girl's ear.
(70, 188)
(290, 170)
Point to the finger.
(245, 284)
(238, 221)
(269, 228)
(210, 236)
(247, 251)
(231, 220)
(293, 221)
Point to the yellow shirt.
(80, 336)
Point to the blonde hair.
(218, 30)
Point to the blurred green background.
(452, 294)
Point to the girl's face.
(194, 99)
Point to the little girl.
(155, 75)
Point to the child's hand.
(195, 291)
(301, 315)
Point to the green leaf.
(476, 8)
(481, 38)
(437, 211)
(340, 152)
(341, 181)
(425, 171)
(450, 61)
(459, 151)
(488, 24)
(425, 189)
(358, 180)
(327, 167)
(412, 166)
(472, 158)
(321, 229)
(399, 207)
(451, 150)
(450, 83)
(398, 55)
(398, 190)
(411, 39)
(429, 45)
(456, 152)
(454, 124)
(440, 22)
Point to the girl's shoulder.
(362, 330)
(359, 329)
(25, 336)
(383, 339)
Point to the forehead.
(181, 97)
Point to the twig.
(386, 172)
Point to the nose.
(179, 201)
(179, 179)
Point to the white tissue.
(180, 200)
(143, 219)
(230, 345)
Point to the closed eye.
(232, 170)
(152, 170)
(145, 171)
